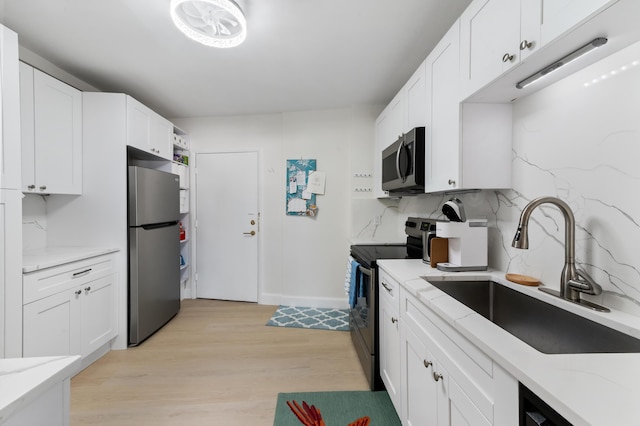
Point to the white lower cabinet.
(432, 394)
(470, 388)
(78, 317)
(443, 378)
(421, 403)
(50, 408)
(390, 338)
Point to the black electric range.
(363, 315)
(367, 254)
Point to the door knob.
(252, 233)
(526, 45)
(507, 57)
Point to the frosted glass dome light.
(216, 23)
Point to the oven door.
(364, 312)
(363, 327)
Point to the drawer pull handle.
(87, 289)
(394, 320)
(427, 364)
(78, 292)
(386, 287)
(437, 376)
(81, 273)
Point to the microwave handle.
(400, 148)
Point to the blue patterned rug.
(318, 318)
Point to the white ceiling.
(299, 54)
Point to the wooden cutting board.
(439, 251)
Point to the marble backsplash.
(578, 140)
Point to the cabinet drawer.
(471, 368)
(50, 281)
(389, 290)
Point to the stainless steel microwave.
(403, 167)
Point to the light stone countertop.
(37, 259)
(22, 380)
(587, 389)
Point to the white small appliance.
(467, 245)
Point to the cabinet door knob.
(507, 58)
(31, 187)
(43, 187)
(526, 44)
(437, 376)
(78, 292)
(452, 182)
(87, 289)
(394, 320)
(427, 364)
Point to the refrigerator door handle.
(159, 225)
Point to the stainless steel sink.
(545, 327)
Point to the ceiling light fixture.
(216, 23)
(597, 42)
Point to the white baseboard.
(310, 302)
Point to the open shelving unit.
(180, 166)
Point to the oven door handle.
(365, 271)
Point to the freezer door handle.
(159, 225)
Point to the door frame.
(194, 220)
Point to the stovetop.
(367, 254)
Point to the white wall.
(579, 141)
(302, 259)
(34, 222)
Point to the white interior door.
(227, 226)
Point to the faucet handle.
(584, 283)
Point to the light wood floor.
(215, 363)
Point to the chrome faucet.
(573, 281)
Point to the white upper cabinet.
(442, 150)
(148, 131)
(51, 126)
(468, 145)
(496, 35)
(416, 95)
(490, 39)
(408, 109)
(558, 16)
(390, 124)
(9, 112)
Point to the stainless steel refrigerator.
(154, 251)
